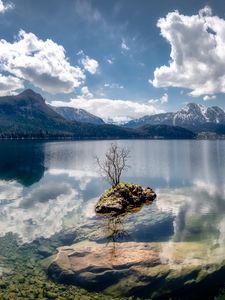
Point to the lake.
(173, 248)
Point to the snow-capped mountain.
(191, 115)
(164, 118)
(77, 114)
(194, 114)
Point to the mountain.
(192, 116)
(28, 116)
(76, 114)
(163, 118)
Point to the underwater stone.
(134, 269)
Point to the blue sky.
(88, 50)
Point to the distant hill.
(192, 116)
(28, 116)
(166, 132)
(77, 114)
(158, 119)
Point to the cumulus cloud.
(162, 100)
(116, 110)
(197, 58)
(207, 97)
(86, 93)
(90, 64)
(9, 84)
(5, 6)
(43, 63)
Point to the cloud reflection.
(199, 211)
(39, 212)
(83, 176)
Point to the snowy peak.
(190, 116)
(215, 114)
(77, 114)
(191, 113)
(194, 114)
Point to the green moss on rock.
(123, 197)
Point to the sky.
(118, 59)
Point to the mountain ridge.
(77, 114)
(27, 115)
(191, 116)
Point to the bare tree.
(114, 164)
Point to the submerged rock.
(124, 197)
(157, 270)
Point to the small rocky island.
(121, 197)
(124, 197)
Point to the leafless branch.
(114, 164)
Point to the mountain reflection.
(23, 162)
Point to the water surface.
(48, 190)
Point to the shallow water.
(48, 191)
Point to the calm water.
(50, 188)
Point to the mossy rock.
(123, 197)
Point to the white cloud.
(113, 86)
(124, 45)
(9, 84)
(109, 109)
(5, 6)
(86, 93)
(90, 64)
(110, 61)
(197, 53)
(42, 63)
(207, 97)
(80, 52)
(162, 100)
(153, 101)
(205, 11)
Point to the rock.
(153, 270)
(124, 197)
(45, 251)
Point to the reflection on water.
(51, 187)
(22, 162)
(115, 229)
(45, 186)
